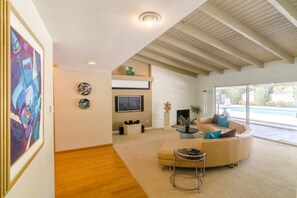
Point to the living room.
(67, 127)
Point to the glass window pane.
(274, 104)
(271, 111)
(232, 100)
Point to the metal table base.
(193, 160)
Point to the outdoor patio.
(276, 134)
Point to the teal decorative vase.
(129, 71)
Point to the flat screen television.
(129, 103)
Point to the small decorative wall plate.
(84, 88)
(84, 103)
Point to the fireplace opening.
(184, 112)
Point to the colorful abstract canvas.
(24, 134)
(26, 96)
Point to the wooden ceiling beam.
(285, 8)
(194, 50)
(168, 61)
(236, 25)
(183, 58)
(165, 66)
(218, 44)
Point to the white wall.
(276, 71)
(38, 178)
(79, 128)
(180, 90)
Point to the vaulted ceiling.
(105, 31)
(227, 34)
(215, 36)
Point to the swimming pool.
(290, 112)
(286, 117)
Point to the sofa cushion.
(223, 121)
(205, 124)
(213, 127)
(230, 133)
(166, 150)
(240, 128)
(213, 135)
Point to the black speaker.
(121, 130)
(142, 128)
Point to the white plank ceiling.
(228, 34)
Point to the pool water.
(266, 111)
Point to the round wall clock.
(84, 103)
(84, 88)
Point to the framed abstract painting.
(2, 91)
(25, 97)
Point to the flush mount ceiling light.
(91, 62)
(150, 18)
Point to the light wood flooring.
(94, 172)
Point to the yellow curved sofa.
(219, 152)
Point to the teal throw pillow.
(213, 135)
(223, 121)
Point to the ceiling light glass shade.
(149, 18)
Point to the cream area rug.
(271, 171)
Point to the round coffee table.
(184, 134)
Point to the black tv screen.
(129, 103)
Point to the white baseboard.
(115, 132)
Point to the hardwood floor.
(94, 172)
